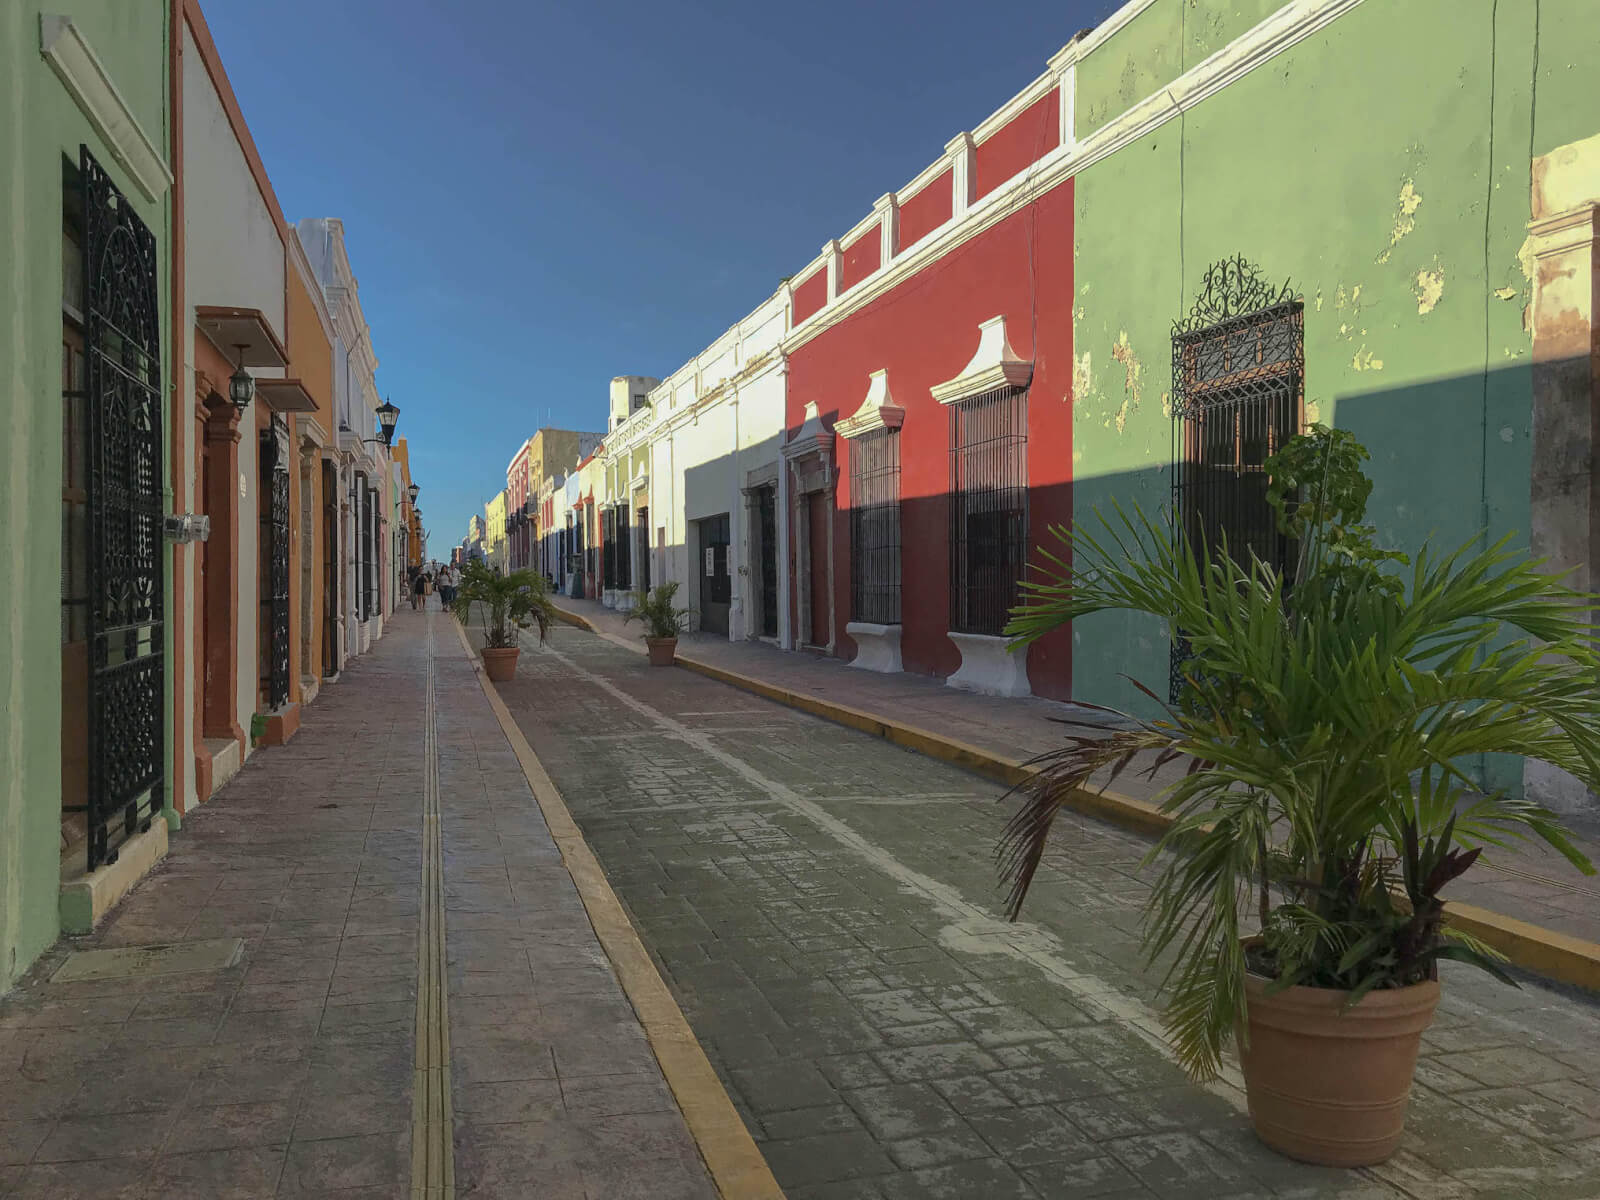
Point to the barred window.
(1238, 365)
(988, 508)
(875, 527)
(1239, 396)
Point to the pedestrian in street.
(417, 598)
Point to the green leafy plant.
(655, 609)
(512, 603)
(1325, 735)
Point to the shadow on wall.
(1451, 458)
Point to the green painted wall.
(39, 124)
(1390, 186)
(1153, 49)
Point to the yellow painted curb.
(1533, 948)
(735, 1162)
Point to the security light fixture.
(411, 492)
(388, 414)
(241, 386)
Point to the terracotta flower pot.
(500, 663)
(1327, 1084)
(663, 651)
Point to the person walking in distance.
(417, 597)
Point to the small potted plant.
(1328, 724)
(662, 622)
(512, 603)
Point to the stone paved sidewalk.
(824, 906)
(290, 1072)
(1531, 883)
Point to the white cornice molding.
(1110, 27)
(1296, 21)
(995, 365)
(877, 411)
(81, 72)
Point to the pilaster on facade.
(831, 262)
(887, 209)
(1063, 68)
(961, 151)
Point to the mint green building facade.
(97, 79)
(1395, 164)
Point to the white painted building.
(362, 462)
(715, 489)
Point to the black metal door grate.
(275, 556)
(624, 539)
(875, 527)
(333, 552)
(1238, 366)
(126, 725)
(767, 504)
(367, 573)
(988, 508)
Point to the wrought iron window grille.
(988, 508)
(1238, 394)
(875, 527)
(275, 551)
(126, 627)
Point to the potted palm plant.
(1319, 788)
(662, 621)
(512, 603)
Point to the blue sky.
(539, 196)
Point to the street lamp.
(241, 387)
(411, 493)
(388, 414)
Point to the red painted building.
(929, 410)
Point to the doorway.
(819, 512)
(716, 588)
(767, 533)
(333, 550)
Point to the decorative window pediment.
(995, 365)
(877, 411)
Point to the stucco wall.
(922, 333)
(39, 125)
(1397, 213)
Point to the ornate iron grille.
(125, 620)
(988, 508)
(767, 515)
(875, 527)
(608, 547)
(275, 559)
(368, 574)
(624, 564)
(1238, 366)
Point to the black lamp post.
(388, 414)
(241, 386)
(411, 492)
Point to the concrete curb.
(730, 1153)
(1533, 948)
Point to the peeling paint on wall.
(1364, 361)
(1505, 293)
(1082, 375)
(1405, 217)
(1133, 369)
(1428, 288)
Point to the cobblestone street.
(824, 908)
